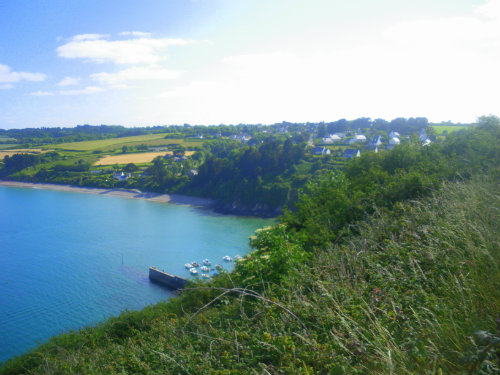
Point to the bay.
(68, 260)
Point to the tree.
(131, 167)
(180, 151)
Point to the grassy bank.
(402, 294)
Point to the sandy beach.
(123, 193)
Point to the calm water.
(69, 260)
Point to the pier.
(166, 279)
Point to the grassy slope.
(440, 129)
(116, 143)
(403, 296)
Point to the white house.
(121, 176)
(358, 138)
(331, 139)
(394, 141)
(394, 134)
(423, 135)
(321, 151)
(351, 153)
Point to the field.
(137, 158)
(21, 151)
(3, 146)
(116, 143)
(440, 129)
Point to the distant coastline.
(122, 193)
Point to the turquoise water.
(68, 260)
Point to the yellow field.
(144, 157)
(116, 143)
(21, 151)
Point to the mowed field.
(144, 157)
(115, 143)
(21, 151)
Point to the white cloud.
(82, 37)
(86, 91)
(140, 34)
(68, 81)
(98, 48)
(7, 75)
(42, 93)
(6, 86)
(490, 9)
(481, 27)
(135, 74)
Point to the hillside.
(389, 267)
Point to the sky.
(157, 62)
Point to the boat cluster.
(206, 266)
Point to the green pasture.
(441, 129)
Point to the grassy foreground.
(402, 294)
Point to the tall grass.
(403, 294)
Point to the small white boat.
(227, 258)
(205, 276)
(205, 268)
(193, 271)
(195, 264)
(206, 262)
(188, 266)
(218, 267)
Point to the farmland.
(115, 143)
(441, 129)
(3, 154)
(136, 158)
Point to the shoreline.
(121, 193)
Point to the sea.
(69, 260)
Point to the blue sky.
(134, 63)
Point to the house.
(423, 135)
(121, 176)
(394, 141)
(427, 142)
(242, 138)
(321, 151)
(192, 172)
(331, 139)
(351, 153)
(376, 141)
(358, 138)
(394, 134)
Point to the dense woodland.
(387, 264)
